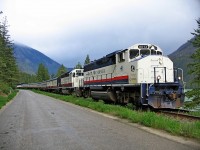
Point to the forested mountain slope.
(181, 59)
(28, 60)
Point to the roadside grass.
(194, 113)
(6, 98)
(3, 101)
(149, 119)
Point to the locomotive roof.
(135, 46)
(67, 73)
(145, 46)
(64, 74)
(113, 53)
(52, 79)
(107, 56)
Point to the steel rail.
(180, 115)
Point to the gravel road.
(37, 122)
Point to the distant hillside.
(181, 58)
(28, 60)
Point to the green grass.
(149, 119)
(4, 88)
(5, 99)
(194, 113)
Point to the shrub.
(4, 88)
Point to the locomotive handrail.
(181, 73)
(176, 73)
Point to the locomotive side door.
(121, 76)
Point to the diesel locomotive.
(140, 75)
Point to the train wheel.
(73, 93)
(137, 103)
(78, 93)
(86, 94)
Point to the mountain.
(181, 59)
(28, 60)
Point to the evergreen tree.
(61, 70)
(27, 78)
(194, 68)
(42, 73)
(8, 68)
(46, 74)
(78, 66)
(87, 60)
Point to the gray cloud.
(168, 28)
(118, 25)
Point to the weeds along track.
(182, 115)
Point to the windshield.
(144, 52)
(134, 53)
(159, 53)
(79, 74)
(153, 52)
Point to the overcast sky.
(68, 30)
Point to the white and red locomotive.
(140, 75)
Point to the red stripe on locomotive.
(118, 78)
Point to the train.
(140, 75)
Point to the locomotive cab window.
(79, 74)
(159, 53)
(153, 52)
(133, 53)
(74, 74)
(144, 52)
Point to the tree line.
(9, 72)
(194, 69)
(43, 73)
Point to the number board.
(143, 46)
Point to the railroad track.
(180, 115)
